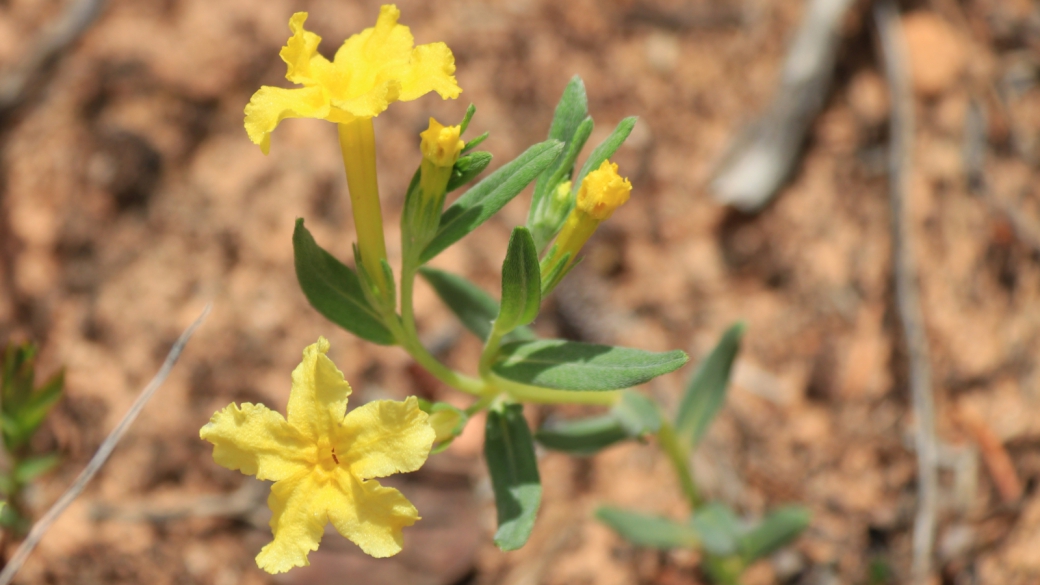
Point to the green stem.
(679, 456)
(407, 335)
(494, 341)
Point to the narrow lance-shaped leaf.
(509, 452)
(29, 469)
(32, 413)
(472, 109)
(488, 196)
(582, 437)
(606, 149)
(631, 418)
(521, 283)
(648, 531)
(470, 145)
(570, 365)
(571, 110)
(334, 289)
(718, 528)
(706, 391)
(466, 168)
(779, 528)
(474, 307)
(637, 414)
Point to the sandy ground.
(131, 198)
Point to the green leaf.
(606, 149)
(571, 365)
(488, 196)
(521, 283)
(582, 437)
(334, 289)
(33, 467)
(466, 119)
(549, 213)
(509, 452)
(466, 168)
(637, 414)
(648, 531)
(718, 528)
(706, 390)
(474, 307)
(18, 377)
(475, 142)
(631, 418)
(571, 111)
(779, 528)
(32, 413)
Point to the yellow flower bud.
(562, 193)
(602, 191)
(441, 144)
(444, 423)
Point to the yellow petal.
(300, 52)
(271, 105)
(257, 441)
(385, 437)
(374, 517)
(432, 69)
(375, 55)
(384, 54)
(318, 399)
(602, 191)
(299, 513)
(366, 105)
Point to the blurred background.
(130, 197)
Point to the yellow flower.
(441, 144)
(601, 192)
(323, 462)
(372, 69)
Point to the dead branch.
(908, 302)
(99, 458)
(73, 22)
(762, 158)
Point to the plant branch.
(404, 329)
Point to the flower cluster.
(323, 460)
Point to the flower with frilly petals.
(371, 70)
(323, 462)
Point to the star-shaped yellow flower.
(373, 69)
(323, 462)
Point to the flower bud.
(601, 192)
(441, 144)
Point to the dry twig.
(908, 302)
(99, 458)
(73, 22)
(762, 158)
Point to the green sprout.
(23, 408)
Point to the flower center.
(327, 457)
